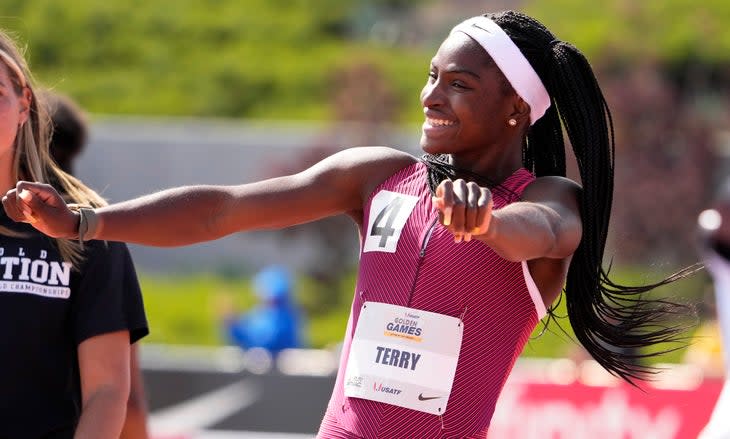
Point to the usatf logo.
(405, 327)
(379, 387)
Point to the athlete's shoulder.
(375, 164)
(552, 186)
(381, 156)
(557, 180)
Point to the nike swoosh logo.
(479, 27)
(427, 398)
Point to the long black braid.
(610, 320)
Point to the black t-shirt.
(47, 309)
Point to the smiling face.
(467, 101)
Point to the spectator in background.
(68, 139)
(714, 225)
(68, 310)
(276, 322)
(70, 130)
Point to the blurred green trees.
(222, 58)
(271, 58)
(669, 30)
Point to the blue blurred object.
(274, 282)
(276, 323)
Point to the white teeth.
(439, 122)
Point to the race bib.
(404, 356)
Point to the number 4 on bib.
(389, 212)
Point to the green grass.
(185, 309)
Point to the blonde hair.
(32, 160)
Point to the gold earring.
(512, 122)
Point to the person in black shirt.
(70, 134)
(68, 312)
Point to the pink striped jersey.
(496, 299)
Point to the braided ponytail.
(609, 320)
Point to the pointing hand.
(465, 208)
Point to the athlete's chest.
(410, 259)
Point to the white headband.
(510, 61)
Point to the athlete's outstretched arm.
(191, 214)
